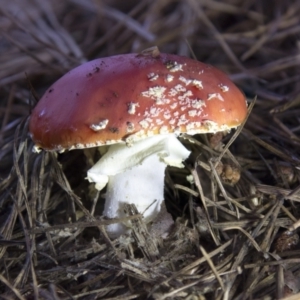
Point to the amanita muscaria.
(137, 104)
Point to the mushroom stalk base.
(142, 185)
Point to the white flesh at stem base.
(134, 186)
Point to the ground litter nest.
(236, 222)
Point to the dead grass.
(233, 239)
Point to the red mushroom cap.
(132, 96)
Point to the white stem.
(136, 175)
(142, 185)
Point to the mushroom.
(137, 104)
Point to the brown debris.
(286, 241)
